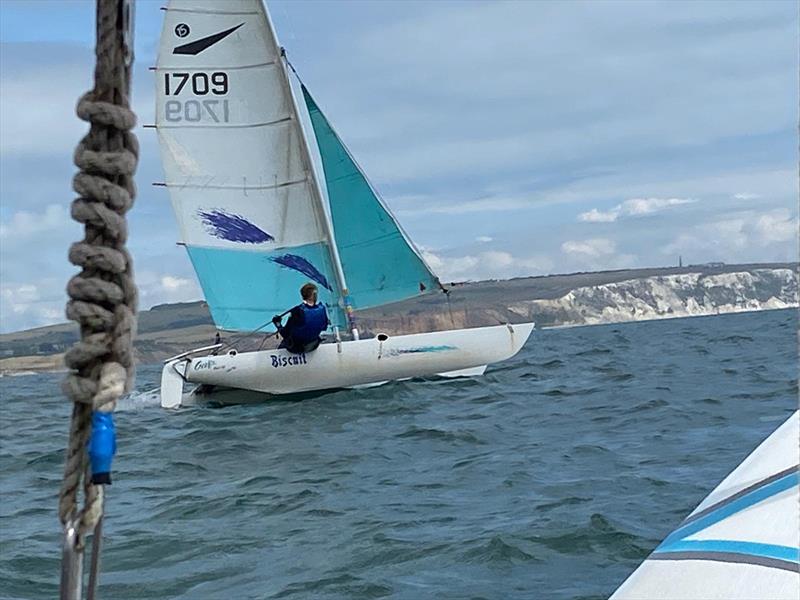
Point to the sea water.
(553, 476)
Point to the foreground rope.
(102, 297)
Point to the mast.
(317, 191)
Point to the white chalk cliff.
(668, 296)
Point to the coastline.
(553, 301)
(31, 365)
(18, 366)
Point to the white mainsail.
(237, 164)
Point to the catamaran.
(256, 224)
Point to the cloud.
(159, 288)
(24, 224)
(682, 79)
(33, 265)
(595, 254)
(492, 264)
(632, 208)
(41, 85)
(170, 283)
(28, 304)
(597, 216)
(775, 185)
(447, 206)
(37, 109)
(742, 236)
(483, 239)
(774, 227)
(591, 247)
(745, 196)
(646, 206)
(24, 304)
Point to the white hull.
(742, 542)
(460, 352)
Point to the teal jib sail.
(379, 261)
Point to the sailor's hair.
(308, 292)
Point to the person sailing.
(306, 321)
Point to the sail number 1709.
(201, 83)
(212, 109)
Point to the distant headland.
(551, 301)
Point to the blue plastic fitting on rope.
(102, 446)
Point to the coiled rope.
(102, 297)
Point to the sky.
(509, 138)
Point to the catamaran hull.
(348, 364)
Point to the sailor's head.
(309, 293)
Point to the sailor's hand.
(276, 320)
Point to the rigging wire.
(449, 307)
(290, 65)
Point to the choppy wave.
(551, 477)
(139, 400)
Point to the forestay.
(237, 165)
(379, 260)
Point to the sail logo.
(232, 227)
(302, 265)
(196, 47)
(288, 361)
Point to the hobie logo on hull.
(196, 47)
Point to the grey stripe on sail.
(200, 11)
(213, 186)
(224, 125)
(729, 557)
(217, 68)
(739, 494)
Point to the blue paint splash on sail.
(234, 228)
(302, 265)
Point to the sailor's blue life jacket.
(308, 323)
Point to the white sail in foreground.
(743, 540)
(253, 220)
